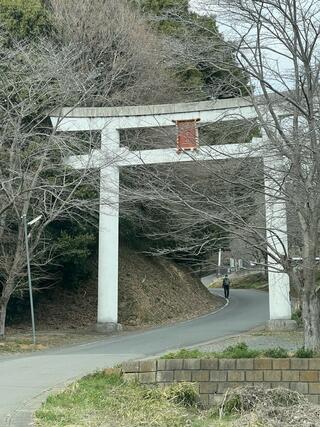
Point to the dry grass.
(152, 291)
(18, 342)
(279, 407)
(105, 399)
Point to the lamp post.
(219, 261)
(24, 219)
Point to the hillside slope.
(154, 290)
(151, 291)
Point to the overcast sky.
(275, 57)
(203, 6)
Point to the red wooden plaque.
(188, 135)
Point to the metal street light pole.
(219, 261)
(24, 218)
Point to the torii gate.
(110, 157)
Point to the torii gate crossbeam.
(111, 156)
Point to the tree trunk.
(3, 312)
(7, 290)
(311, 321)
(308, 289)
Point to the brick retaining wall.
(214, 376)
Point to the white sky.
(274, 58)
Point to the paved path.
(207, 280)
(23, 378)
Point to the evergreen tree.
(22, 19)
(204, 64)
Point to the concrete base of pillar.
(281, 325)
(108, 327)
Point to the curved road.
(25, 380)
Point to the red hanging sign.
(188, 135)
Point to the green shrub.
(24, 18)
(304, 353)
(297, 316)
(233, 405)
(238, 351)
(276, 353)
(185, 354)
(181, 393)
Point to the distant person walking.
(226, 286)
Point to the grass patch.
(305, 353)
(20, 346)
(106, 399)
(238, 351)
(276, 353)
(17, 342)
(249, 281)
(187, 354)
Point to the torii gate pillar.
(277, 241)
(108, 238)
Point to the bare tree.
(127, 60)
(280, 52)
(276, 43)
(185, 206)
(101, 53)
(34, 180)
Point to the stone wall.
(214, 376)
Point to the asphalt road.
(25, 380)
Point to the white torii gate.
(110, 157)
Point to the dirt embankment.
(152, 291)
